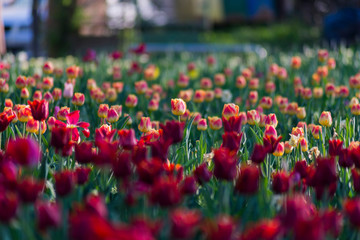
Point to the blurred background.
(61, 27)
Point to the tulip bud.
(21, 82)
(253, 117)
(325, 119)
(202, 125)
(279, 151)
(199, 96)
(24, 93)
(145, 124)
(301, 113)
(103, 110)
(219, 79)
(178, 106)
(230, 110)
(271, 120)
(296, 62)
(78, 99)
(280, 182)
(57, 93)
(131, 101)
(48, 67)
(240, 82)
(253, 97)
(112, 116)
(303, 144)
(215, 123)
(355, 109)
(62, 113)
(287, 147)
(140, 87)
(68, 90)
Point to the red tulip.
(106, 153)
(29, 189)
(5, 120)
(121, 165)
(39, 109)
(9, 176)
(335, 147)
(356, 179)
(96, 205)
(48, 215)
(264, 230)
(202, 174)
(310, 229)
(84, 152)
(127, 138)
(332, 222)
(104, 133)
(225, 162)
(64, 182)
(188, 185)
(352, 210)
(248, 179)
(296, 208)
(149, 170)
(173, 131)
(159, 149)
(271, 142)
(72, 122)
(280, 182)
(8, 206)
(259, 153)
(60, 137)
(24, 151)
(233, 124)
(345, 159)
(82, 175)
(325, 173)
(220, 228)
(183, 223)
(301, 168)
(165, 192)
(139, 153)
(231, 140)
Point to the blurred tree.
(35, 27)
(63, 26)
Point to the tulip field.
(217, 146)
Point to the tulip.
(103, 110)
(127, 138)
(230, 110)
(352, 211)
(222, 227)
(145, 124)
(279, 151)
(280, 182)
(8, 206)
(29, 189)
(64, 182)
(202, 125)
(296, 62)
(24, 151)
(253, 117)
(165, 192)
(39, 109)
(82, 175)
(57, 93)
(215, 123)
(231, 140)
(21, 82)
(225, 162)
(183, 223)
(48, 67)
(240, 82)
(131, 101)
(68, 90)
(325, 119)
(78, 99)
(248, 179)
(178, 106)
(48, 215)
